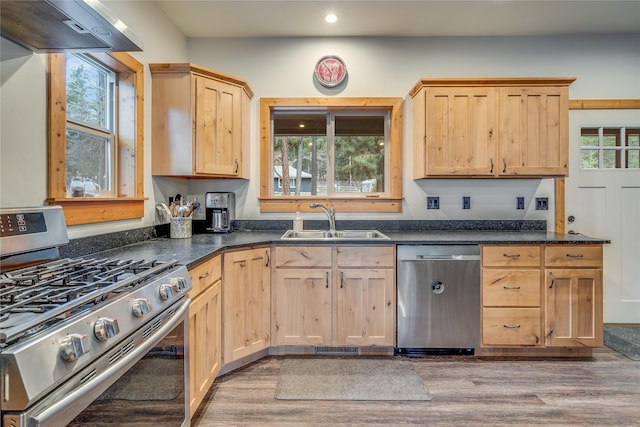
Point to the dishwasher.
(438, 300)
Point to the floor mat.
(623, 339)
(349, 379)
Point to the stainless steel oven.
(88, 341)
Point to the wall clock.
(330, 71)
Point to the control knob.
(167, 291)
(72, 347)
(106, 328)
(178, 283)
(141, 306)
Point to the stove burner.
(33, 298)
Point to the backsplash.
(87, 245)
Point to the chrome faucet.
(331, 214)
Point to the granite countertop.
(193, 250)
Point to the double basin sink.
(334, 235)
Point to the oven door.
(141, 382)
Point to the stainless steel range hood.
(65, 25)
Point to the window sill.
(100, 209)
(301, 204)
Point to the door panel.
(606, 204)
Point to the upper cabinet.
(492, 127)
(200, 122)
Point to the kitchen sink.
(335, 235)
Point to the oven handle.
(66, 409)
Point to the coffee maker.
(220, 212)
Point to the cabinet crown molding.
(491, 81)
(197, 69)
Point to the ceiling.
(400, 18)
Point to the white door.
(606, 203)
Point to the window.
(91, 138)
(610, 148)
(348, 150)
(95, 136)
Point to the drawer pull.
(510, 287)
(553, 280)
(342, 279)
(575, 255)
(326, 279)
(267, 258)
(203, 276)
(511, 255)
(511, 326)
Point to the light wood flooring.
(467, 391)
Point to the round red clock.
(330, 71)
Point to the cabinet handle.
(504, 162)
(237, 166)
(326, 279)
(553, 280)
(575, 255)
(511, 326)
(342, 279)
(511, 255)
(491, 161)
(511, 287)
(203, 276)
(267, 258)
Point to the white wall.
(606, 67)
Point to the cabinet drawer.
(511, 256)
(302, 256)
(511, 326)
(511, 288)
(573, 256)
(371, 256)
(205, 274)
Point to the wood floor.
(602, 391)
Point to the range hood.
(65, 25)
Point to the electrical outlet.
(520, 202)
(542, 203)
(433, 202)
(466, 202)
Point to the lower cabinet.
(246, 302)
(542, 296)
(205, 329)
(334, 296)
(573, 290)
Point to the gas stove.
(66, 321)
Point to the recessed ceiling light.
(331, 18)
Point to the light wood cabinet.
(334, 296)
(205, 329)
(573, 291)
(495, 127)
(200, 124)
(246, 302)
(530, 289)
(511, 303)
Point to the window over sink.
(347, 150)
(96, 136)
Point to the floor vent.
(336, 350)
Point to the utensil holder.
(180, 227)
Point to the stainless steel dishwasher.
(438, 299)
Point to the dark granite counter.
(201, 246)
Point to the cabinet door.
(302, 307)
(205, 343)
(574, 307)
(459, 131)
(365, 307)
(218, 127)
(246, 297)
(534, 138)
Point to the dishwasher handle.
(446, 258)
